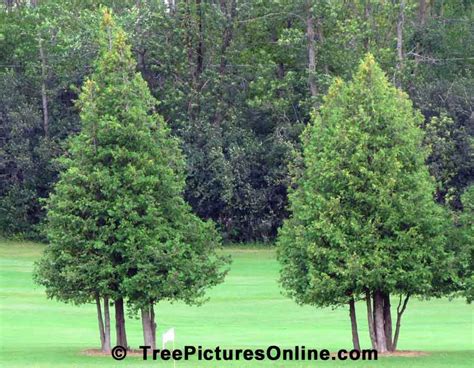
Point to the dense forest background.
(237, 81)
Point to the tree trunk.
(228, 31)
(200, 46)
(188, 37)
(195, 55)
(149, 327)
(147, 335)
(153, 323)
(400, 309)
(387, 316)
(227, 37)
(106, 348)
(379, 322)
(8, 5)
(44, 97)
(311, 49)
(280, 71)
(373, 317)
(101, 323)
(172, 6)
(400, 23)
(423, 6)
(120, 324)
(370, 320)
(355, 333)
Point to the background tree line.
(236, 81)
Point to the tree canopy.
(236, 82)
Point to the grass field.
(248, 310)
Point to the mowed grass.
(248, 310)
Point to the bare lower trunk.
(373, 316)
(149, 327)
(387, 316)
(101, 323)
(370, 320)
(120, 324)
(106, 348)
(311, 49)
(152, 322)
(379, 322)
(400, 309)
(355, 333)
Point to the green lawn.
(248, 310)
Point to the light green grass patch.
(248, 310)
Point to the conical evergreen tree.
(363, 221)
(117, 210)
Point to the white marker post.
(167, 337)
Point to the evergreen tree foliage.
(117, 223)
(363, 219)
